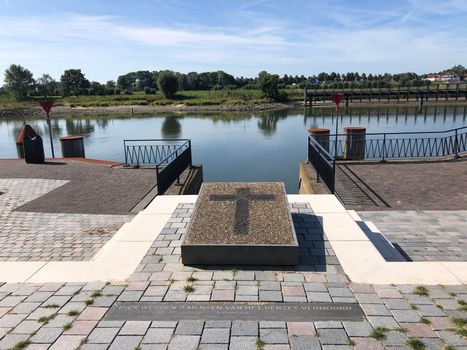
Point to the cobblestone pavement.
(30, 236)
(70, 316)
(425, 235)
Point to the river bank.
(57, 111)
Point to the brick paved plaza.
(69, 315)
(72, 315)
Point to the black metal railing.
(169, 156)
(149, 151)
(400, 145)
(323, 162)
(323, 153)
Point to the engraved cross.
(242, 197)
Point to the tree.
(46, 85)
(268, 84)
(18, 81)
(73, 82)
(168, 83)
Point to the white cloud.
(104, 47)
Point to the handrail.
(408, 132)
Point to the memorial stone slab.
(241, 224)
(176, 311)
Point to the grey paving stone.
(395, 338)
(189, 327)
(268, 295)
(375, 310)
(46, 335)
(244, 328)
(397, 304)
(337, 347)
(243, 343)
(318, 297)
(218, 324)
(125, 342)
(383, 321)
(158, 335)
(27, 327)
(94, 347)
(333, 337)
(215, 335)
(10, 340)
(102, 335)
(406, 315)
(164, 324)
(305, 343)
(272, 324)
(135, 328)
(430, 310)
(274, 335)
(358, 329)
(184, 342)
(328, 324)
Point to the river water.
(253, 146)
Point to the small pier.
(447, 92)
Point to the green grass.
(67, 326)
(460, 326)
(191, 279)
(421, 290)
(462, 305)
(21, 345)
(379, 333)
(73, 313)
(96, 294)
(260, 344)
(46, 319)
(189, 289)
(51, 306)
(415, 344)
(425, 320)
(189, 98)
(89, 302)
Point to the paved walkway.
(90, 188)
(424, 235)
(403, 186)
(32, 236)
(70, 316)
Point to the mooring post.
(305, 95)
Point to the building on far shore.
(445, 77)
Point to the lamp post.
(337, 98)
(47, 106)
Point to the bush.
(250, 87)
(269, 85)
(217, 87)
(147, 90)
(128, 92)
(117, 91)
(167, 83)
(230, 87)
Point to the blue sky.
(109, 38)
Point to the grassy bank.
(188, 98)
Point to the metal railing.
(170, 157)
(322, 154)
(400, 145)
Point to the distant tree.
(167, 83)
(268, 84)
(73, 82)
(46, 85)
(18, 81)
(459, 70)
(110, 84)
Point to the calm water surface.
(232, 146)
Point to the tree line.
(19, 82)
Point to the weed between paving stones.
(415, 344)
